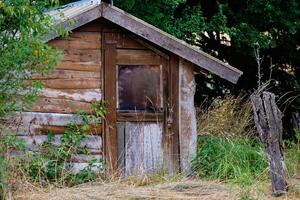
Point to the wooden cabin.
(145, 75)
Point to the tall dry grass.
(227, 117)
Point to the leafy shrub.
(53, 163)
(237, 159)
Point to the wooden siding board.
(55, 105)
(137, 57)
(78, 40)
(83, 95)
(82, 55)
(67, 74)
(90, 66)
(37, 118)
(79, 83)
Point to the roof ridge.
(78, 3)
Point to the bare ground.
(184, 189)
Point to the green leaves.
(22, 52)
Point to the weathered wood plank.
(51, 119)
(111, 138)
(78, 40)
(172, 135)
(21, 130)
(170, 43)
(90, 66)
(67, 74)
(187, 114)
(72, 83)
(143, 148)
(124, 41)
(268, 120)
(54, 105)
(32, 142)
(137, 57)
(79, 55)
(140, 117)
(33, 129)
(121, 146)
(84, 95)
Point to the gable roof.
(80, 13)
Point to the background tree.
(23, 52)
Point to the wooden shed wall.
(73, 85)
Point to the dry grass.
(184, 189)
(180, 189)
(226, 117)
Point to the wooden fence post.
(268, 121)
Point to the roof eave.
(76, 21)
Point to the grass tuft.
(239, 160)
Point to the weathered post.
(268, 121)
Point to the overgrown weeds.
(52, 161)
(226, 117)
(230, 151)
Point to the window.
(139, 87)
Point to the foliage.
(8, 144)
(51, 162)
(23, 52)
(240, 160)
(292, 155)
(227, 117)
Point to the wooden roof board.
(150, 33)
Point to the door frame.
(169, 116)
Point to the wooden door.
(136, 91)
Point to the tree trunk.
(268, 121)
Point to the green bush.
(52, 163)
(238, 159)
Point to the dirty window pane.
(139, 88)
